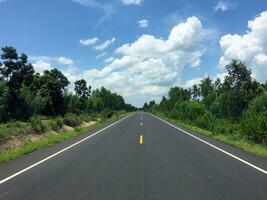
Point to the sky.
(138, 48)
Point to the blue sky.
(138, 48)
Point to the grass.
(51, 139)
(232, 139)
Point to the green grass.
(235, 140)
(51, 139)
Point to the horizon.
(142, 54)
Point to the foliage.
(81, 89)
(254, 126)
(37, 125)
(72, 120)
(25, 94)
(236, 106)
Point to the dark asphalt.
(169, 165)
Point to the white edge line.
(215, 147)
(59, 152)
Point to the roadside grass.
(232, 139)
(50, 139)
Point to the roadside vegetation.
(233, 110)
(37, 107)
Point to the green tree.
(179, 94)
(3, 101)
(195, 92)
(17, 72)
(52, 84)
(81, 89)
(206, 87)
(239, 88)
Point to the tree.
(195, 92)
(81, 89)
(145, 107)
(4, 115)
(206, 87)
(179, 94)
(17, 72)
(52, 84)
(239, 88)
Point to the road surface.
(138, 158)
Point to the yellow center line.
(141, 139)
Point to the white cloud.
(41, 66)
(65, 61)
(101, 55)
(143, 23)
(194, 81)
(222, 6)
(149, 66)
(250, 47)
(89, 41)
(109, 60)
(60, 60)
(132, 2)
(105, 45)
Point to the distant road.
(139, 158)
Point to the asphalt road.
(116, 163)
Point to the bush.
(56, 124)
(259, 104)
(188, 111)
(206, 121)
(106, 114)
(72, 120)
(37, 125)
(254, 126)
(86, 117)
(13, 128)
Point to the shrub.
(86, 117)
(72, 120)
(206, 121)
(56, 124)
(37, 125)
(254, 126)
(106, 114)
(188, 111)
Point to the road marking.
(59, 152)
(215, 147)
(141, 124)
(141, 139)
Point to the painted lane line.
(141, 139)
(141, 124)
(59, 152)
(215, 147)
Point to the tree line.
(25, 93)
(235, 106)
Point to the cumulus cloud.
(65, 61)
(132, 2)
(89, 41)
(143, 23)
(222, 6)
(149, 66)
(250, 47)
(47, 59)
(41, 66)
(105, 45)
